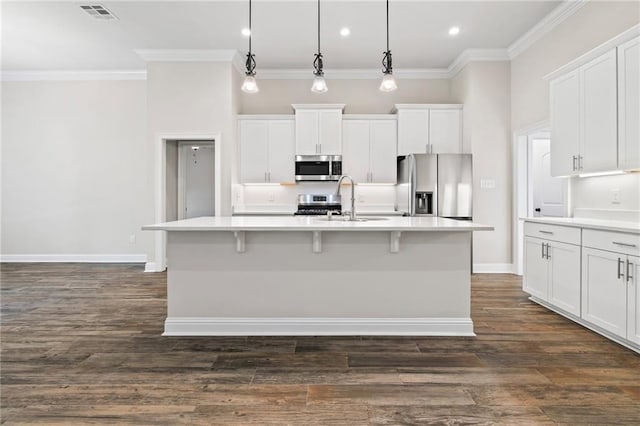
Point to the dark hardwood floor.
(81, 344)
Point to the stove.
(318, 204)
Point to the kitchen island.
(307, 275)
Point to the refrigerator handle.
(412, 185)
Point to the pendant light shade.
(250, 85)
(319, 84)
(388, 83)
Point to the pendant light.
(388, 83)
(319, 84)
(250, 85)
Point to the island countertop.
(317, 223)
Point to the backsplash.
(598, 192)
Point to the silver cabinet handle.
(623, 244)
(543, 244)
(548, 247)
(265, 177)
(620, 262)
(546, 232)
(580, 158)
(574, 163)
(629, 268)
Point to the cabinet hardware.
(546, 232)
(580, 158)
(574, 164)
(620, 262)
(623, 244)
(542, 245)
(629, 268)
(265, 177)
(269, 175)
(548, 247)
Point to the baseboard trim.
(73, 258)
(194, 326)
(153, 267)
(492, 268)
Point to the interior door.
(549, 193)
(198, 160)
(564, 276)
(536, 274)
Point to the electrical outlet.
(132, 239)
(487, 183)
(272, 197)
(360, 198)
(615, 196)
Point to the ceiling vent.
(98, 11)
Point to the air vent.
(98, 11)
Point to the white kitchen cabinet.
(633, 298)
(584, 135)
(318, 129)
(536, 269)
(629, 105)
(266, 151)
(369, 150)
(429, 128)
(445, 131)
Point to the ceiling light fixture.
(319, 84)
(388, 83)
(345, 32)
(250, 85)
(454, 31)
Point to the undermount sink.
(358, 219)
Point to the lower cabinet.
(633, 300)
(552, 273)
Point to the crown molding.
(476, 55)
(546, 24)
(187, 55)
(78, 75)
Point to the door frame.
(182, 172)
(160, 175)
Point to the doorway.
(536, 192)
(196, 179)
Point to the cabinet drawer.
(564, 234)
(617, 242)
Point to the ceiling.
(61, 36)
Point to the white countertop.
(578, 222)
(311, 223)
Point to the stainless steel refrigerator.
(435, 185)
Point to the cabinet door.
(565, 123)
(599, 148)
(413, 131)
(253, 151)
(629, 105)
(633, 298)
(604, 291)
(445, 135)
(330, 135)
(564, 276)
(307, 132)
(355, 156)
(536, 275)
(281, 151)
(384, 141)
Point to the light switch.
(487, 183)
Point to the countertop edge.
(584, 223)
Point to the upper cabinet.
(429, 128)
(369, 150)
(267, 150)
(318, 129)
(629, 105)
(594, 109)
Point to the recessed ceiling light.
(345, 32)
(454, 31)
(246, 32)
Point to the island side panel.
(355, 276)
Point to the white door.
(198, 185)
(599, 148)
(445, 135)
(536, 275)
(629, 105)
(604, 290)
(565, 123)
(253, 151)
(413, 131)
(356, 149)
(330, 133)
(633, 298)
(307, 132)
(564, 276)
(281, 151)
(549, 194)
(383, 141)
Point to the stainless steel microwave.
(318, 167)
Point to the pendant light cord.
(387, 23)
(319, 26)
(250, 32)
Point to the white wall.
(360, 96)
(589, 27)
(73, 169)
(484, 89)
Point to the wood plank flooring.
(81, 344)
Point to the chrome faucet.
(352, 213)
